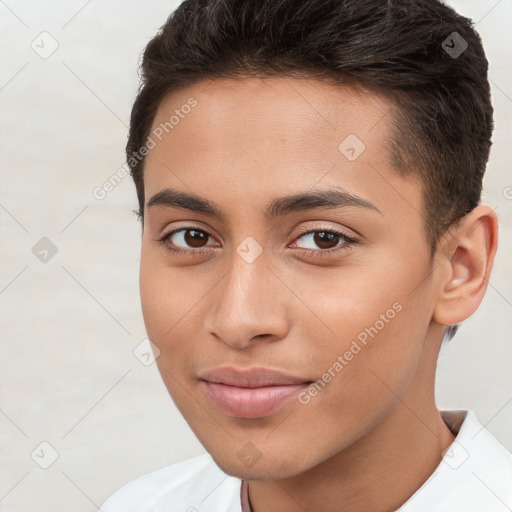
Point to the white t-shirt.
(475, 475)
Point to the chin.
(269, 469)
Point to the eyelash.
(320, 253)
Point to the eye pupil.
(322, 238)
(196, 237)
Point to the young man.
(309, 177)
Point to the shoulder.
(475, 473)
(475, 445)
(488, 462)
(189, 485)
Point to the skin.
(372, 436)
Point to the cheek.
(164, 309)
(172, 301)
(353, 305)
(153, 298)
(377, 333)
(163, 302)
(166, 294)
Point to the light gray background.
(68, 374)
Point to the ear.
(465, 258)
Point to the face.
(315, 307)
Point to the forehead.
(275, 135)
(273, 110)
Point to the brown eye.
(326, 240)
(323, 239)
(195, 238)
(186, 240)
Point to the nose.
(249, 304)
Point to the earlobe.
(466, 264)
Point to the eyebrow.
(328, 199)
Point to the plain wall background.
(68, 374)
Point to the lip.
(252, 393)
